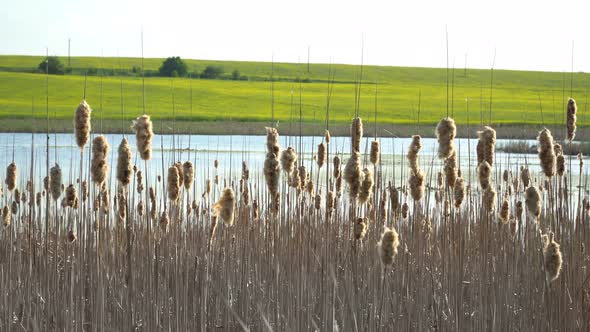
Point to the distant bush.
(136, 70)
(51, 65)
(173, 67)
(92, 71)
(235, 75)
(212, 72)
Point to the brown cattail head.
(337, 167)
(38, 199)
(486, 145)
(164, 221)
(558, 149)
(484, 174)
(71, 195)
(321, 154)
(84, 192)
(519, 210)
(327, 136)
(413, 150)
(178, 166)
(140, 208)
(489, 199)
(505, 211)
(6, 216)
(356, 135)
(459, 192)
(450, 169)
(140, 186)
(309, 187)
(11, 176)
(55, 181)
(330, 202)
(405, 210)
(560, 165)
(82, 124)
(271, 173)
(245, 171)
(99, 167)
(188, 171)
(571, 119)
(388, 245)
(173, 185)
(152, 194)
(417, 184)
(224, 207)
(393, 198)
(546, 153)
(505, 176)
(318, 201)
(552, 257)
(302, 175)
(375, 152)
(533, 201)
(124, 169)
(446, 130)
(288, 160)
(360, 229)
(272, 141)
(525, 176)
(143, 135)
(366, 186)
(353, 175)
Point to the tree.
(235, 75)
(173, 66)
(51, 65)
(212, 72)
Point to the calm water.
(230, 151)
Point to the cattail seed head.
(552, 257)
(173, 184)
(38, 199)
(505, 211)
(245, 171)
(143, 136)
(486, 145)
(413, 150)
(55, 181)
(375, 152)
(405, 209)
(533, 201)
(356, 134)
(327, 136)
(318, 201)
(330, 202)
(99, 166)
(525, 176)
(353, 175)
(367, 186)
(288, 160)
(546, 153)
(71, 195)
(124, 162)
(337, 167)
(446, 130)
(417, 184)
(188, 171)
(271, 173)
(459, 192)
(519, 210)
(450, 169)
(224, 207)
(571, 119)
(360, 229)
(140, 208)
(11, 176)
(71, 236)
(560, 165)
(6, 216)
(388, 245)
(505, 176)
(179, 167)
(164, 221)
(321, 154)
(82, 124)
(484, 174)
(393, 198)
(489, 198)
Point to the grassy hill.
(517, 95)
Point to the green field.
(517, 95)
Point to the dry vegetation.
(283, 249)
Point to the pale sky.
(530, 35)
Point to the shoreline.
(254, 128)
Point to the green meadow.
(518, 97)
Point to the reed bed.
(265, 250)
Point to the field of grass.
(517, 95)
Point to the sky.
(522, 34)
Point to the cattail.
(321, 155)
(533, 201)
(413, 150)
(207, 191)
(55, 181)
(173, 186)
(513, 227)
(459, 192)
(330, 202)
(224, 207)
(388, 245)
(152, 194)
(82, 124)
(505, 211)
(188, 171)
(327, 136)
(216, 164)
(45, 183)
(309, 187)
(71, 236)
(272, 141)
(546, 153)
(288, 160)
(356, 134)
(164, 221)
(246, 195)
(525, 176)
(194, 205)
(416, 182)
(11, 176)
(505, 176)
(122, 206)
(143, 135)
(552, 257)
(84, 192)
(71, 195)
(153, 212)
(353, 175)
(245, 171)
(445, 134)
(302, 175)
(571, 119)
(519, 210)
(38, 199)
(105, 197)
(439, 180)
(366, 186)
(318, 201)
(360, 229)
(212, 231)
(17, 196)
(255, 210)
(99, 166)
(405, 209)
(179, 167)
(6, 216)
(294, 180)
(14, 207)
(484, 173)
(558, 149)
(140, 208)
(124, 163)
(560, 165)
(374, 152)
(337, 167)
(450, 169)
(489, 198)
(271, 163)
(486, 145)
(393, 198)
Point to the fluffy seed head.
(446, 130)
(188, 171)
(413, 150)
(356, 134)
(459, 192)
(288, 160)
(417, 184)
(82, 124)
(505, 211)
(489, 199)
(6, 216)
(546, 153)
(272, 141)
(71, 195)
(393, 198)
(164, 221)
(337, 167)
(486, 145)
(327, 136)
(525, 176)
(99, 167)
(224, 207)
(519, 210)
(552, 257)
(375, 152)
(55, 181)
(143, 134)
(360, 228)
(484, 174)
(321, 154)
(405, 210)
(245, 171)
(124, 169)
(451, 169)
(388, 245)
(571, 119)
(11, 176)
(173, 181)
(560, 165)
(366, 186)
(353, 175)
(533, 201)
